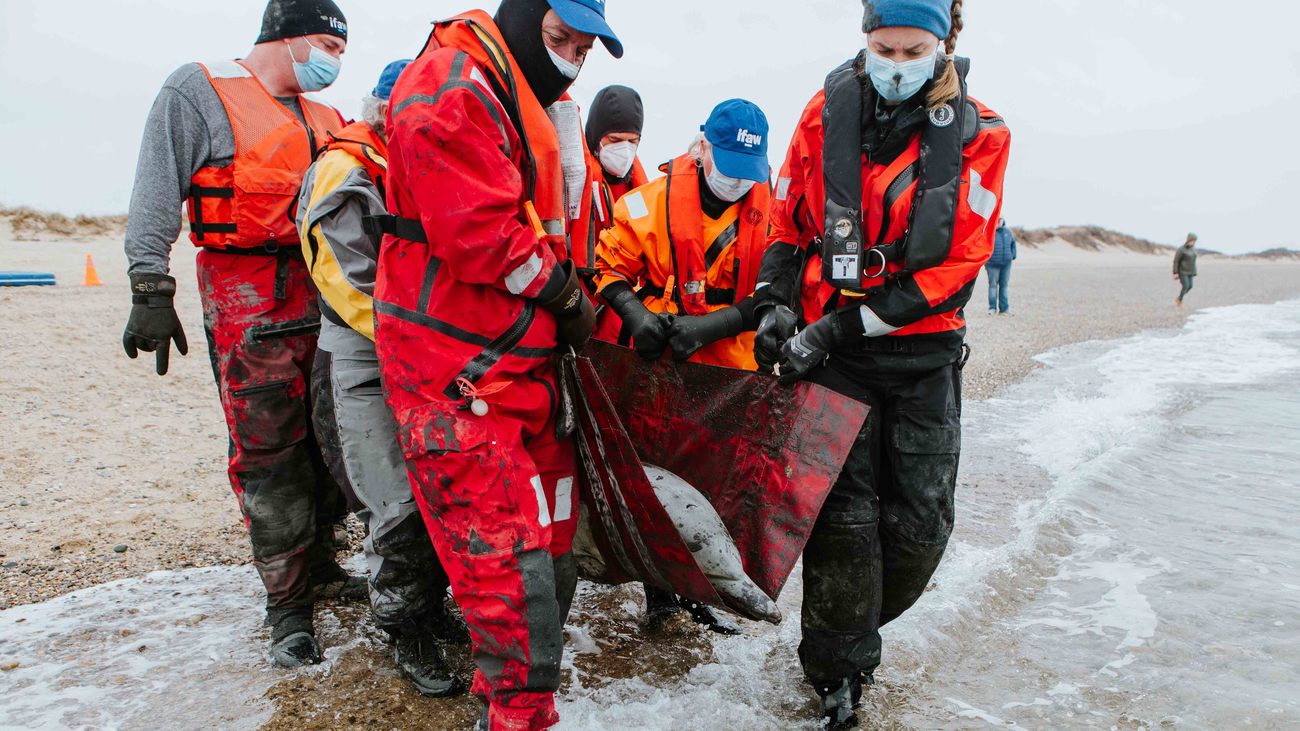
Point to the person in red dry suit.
(883, 214)
(473, 295)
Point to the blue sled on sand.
(26, 279)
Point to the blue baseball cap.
(388, 79)
(588, 16)
(737, 129)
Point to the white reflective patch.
(636, 207)
(477, 77)
(782, 188)
(520, 278)
(982, 200)
(596, 200)
(227, 70)
(543, 510)
(563, 499)
(761, 285)
(873, 325)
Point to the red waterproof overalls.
(455, 313)
(261, 316)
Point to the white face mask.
(617, 158)
(728, 189)
(567, 68)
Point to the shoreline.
(106, 454)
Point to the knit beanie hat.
(294, 18)
(932, 15)
(615, 109)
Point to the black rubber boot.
(839, 702)
(331, 581)
(421, 660)
(293, 640)
(660, 605)
(704, 615)
(446, 626)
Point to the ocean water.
(1125, 558)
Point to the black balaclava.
(520, 22)
(294, 18)
(615, 109)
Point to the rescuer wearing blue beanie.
(932, 15)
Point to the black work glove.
(153, 323)
(649, 331)
(574, 313)
(776, 324)
(688, 334)
(809, 348)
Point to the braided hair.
(948, 87)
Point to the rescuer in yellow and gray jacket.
(341, 211)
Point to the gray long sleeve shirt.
(187, 130)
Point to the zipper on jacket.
(495, 351)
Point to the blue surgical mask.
(898, 82)
(320, 71)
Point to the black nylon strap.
(410, 229)
(720, 244)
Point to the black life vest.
(846, 255)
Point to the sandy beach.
(108, 471)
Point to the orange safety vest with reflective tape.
(249, 203)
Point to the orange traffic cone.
(92, 276)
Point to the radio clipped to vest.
(847, 257)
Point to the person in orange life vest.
(878, 274)
(694, 239)
(614, 127)
(233, 139)
(613, 134)
(473, 298)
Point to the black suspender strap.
(410, 229)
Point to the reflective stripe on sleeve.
(518, 280)
(982, 200)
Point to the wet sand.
(101, 453)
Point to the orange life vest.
(477, 35)
(686, 236)
(361, 141)
(248, 204)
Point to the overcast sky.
(1153, 118)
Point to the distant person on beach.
(341, 195)
(232, 139)
(1185, 267)
(998, 269)
(883, 323)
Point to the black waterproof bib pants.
(886, 523)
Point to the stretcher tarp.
(764, 455)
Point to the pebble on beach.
(119, 548)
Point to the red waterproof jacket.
(918, 303)
(486, 191)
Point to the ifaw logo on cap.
(335, 23)
(749, 139)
